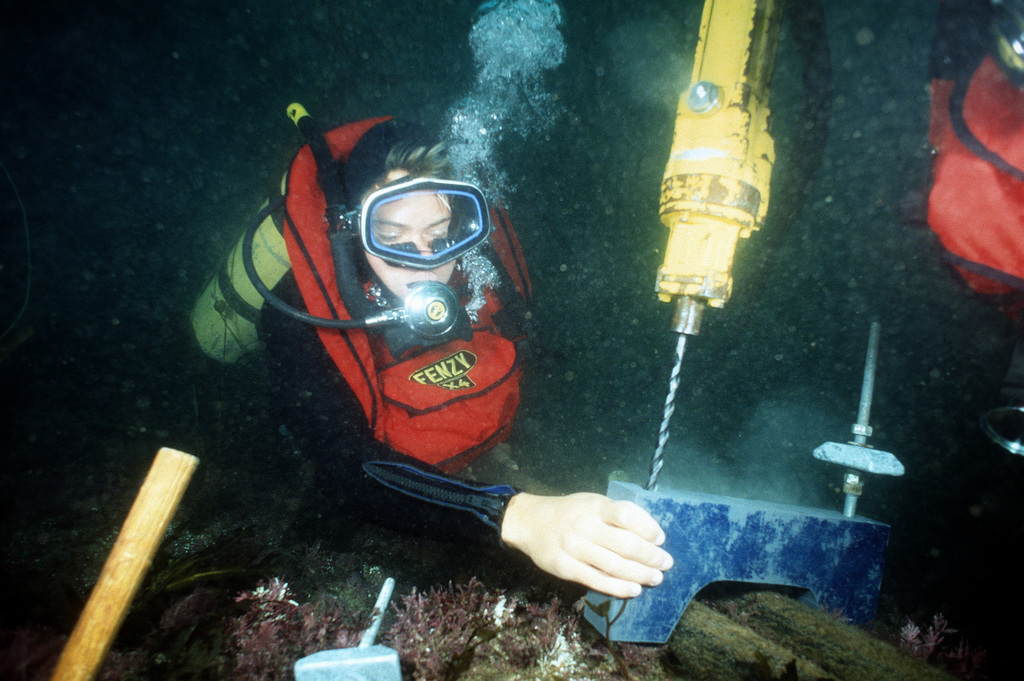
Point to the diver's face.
(418, 219)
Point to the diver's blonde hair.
(420, 161)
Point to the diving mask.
(1008, 31)
(423, 222)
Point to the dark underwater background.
(142, 138)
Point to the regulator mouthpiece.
(431, 308)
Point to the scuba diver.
(395, 338)
(976, 200)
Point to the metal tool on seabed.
(366, 662)
(837, 557)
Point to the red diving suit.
(976, 205)
(443, 405)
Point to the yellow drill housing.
(717, 178)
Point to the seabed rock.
(780, 631)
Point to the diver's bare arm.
(609, 546)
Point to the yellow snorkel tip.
(296, 111)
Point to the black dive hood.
(430, 314)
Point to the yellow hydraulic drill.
(716, 183)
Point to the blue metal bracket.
(716, 538)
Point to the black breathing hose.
(285, 308)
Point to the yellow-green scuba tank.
(225, 314)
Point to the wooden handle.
(126, 566)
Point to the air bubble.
(513, 43)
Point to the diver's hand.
(608, 546)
